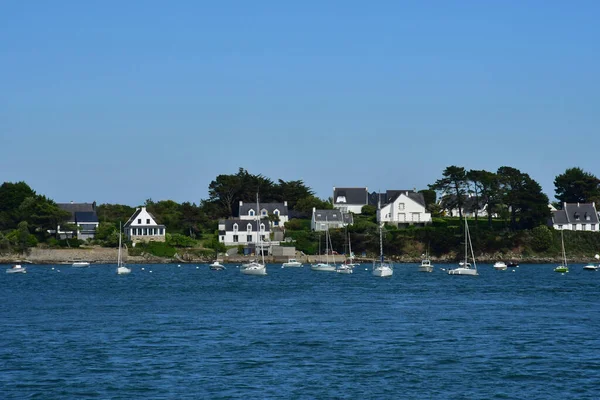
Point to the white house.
(142, 227)
(576, 217)
(248, 212)
(330, 219)
(350, 199)
(403, 207)
(243, 231)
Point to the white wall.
(404, 210)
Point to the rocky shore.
(102, 255)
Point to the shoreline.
(100, 255)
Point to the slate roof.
(333, 216)
(242, 225)
(359, 196)
(575, 213)
(270, 207)
(75, 208)
(391, 195)
(86, 216)
(134, 216)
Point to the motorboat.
(323, 267)
(217, 266)
(16, 269)
(512, 264)
(500, 265)
(344, 269)
(591, 267)
(426, 266)
(80, 264)
(291, 262)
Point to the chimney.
(407, 192)
(285, 203)
(241, 203)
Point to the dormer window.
(235, 227)
(249, 227)
(341, 199)
(276, 212)
(263, 213)
(576, 216)
(251, 213)
(587, 217)
(262, 227)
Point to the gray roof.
(391, 195)
(576, 213)
(242, 224)
(86, 216)
(333, 216)
(270, 207)
(359, 196)
(75, 208)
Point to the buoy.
(52, 268)
(197, 267)
(150, 271)
(143, 268)
(179, 265)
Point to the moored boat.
(16, 269)
(500, 265)
(292, 263)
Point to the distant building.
(248, 212)
(83, 215)
(239, 231)
(576, 217)
(330, 219)
(401, 208)
(143, 227)
(350, 199)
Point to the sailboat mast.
(258, 238)
(380, 229)
(466, 240)
(119, 256)
(562, 240)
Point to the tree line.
(26, 218)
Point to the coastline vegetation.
(516, 223)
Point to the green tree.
(430, 198)
(293, 191)
(541, 238)
(454, 183)
(577, 186)
(11, 197)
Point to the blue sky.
(121, 101)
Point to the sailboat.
(121, 268)
(346, 267)
(426, 263)
(254, 267)
(465, 267)
(563, 267)
(381, 269)
(326, 267)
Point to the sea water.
(186, 332)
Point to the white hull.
(293, 264)
(123, 270)
(80, 264)
(344, 269)
(216, 266)
(425, 268)
(501, 266)
(463, 271)
(591, 267)
(17, 270)
(255, 270)
(382, 271)
(323, 267)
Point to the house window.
(251, 213)
(139, 221)
(263, 213)
(248, 238)
(593, 227)
(235, 238)
(576, 215)
(323, 227)
(222, 238)
(559, 226)
(276, 223)
(401, 217)
(416, 217)
(276, 212)
(235, 227)
(574, 227)
(148, 221)
(401, 206)
(161, 232)
(249, 228)
(263, 238)
(262, 227)
(587, 217)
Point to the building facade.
(576, 217)
(143, 227)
